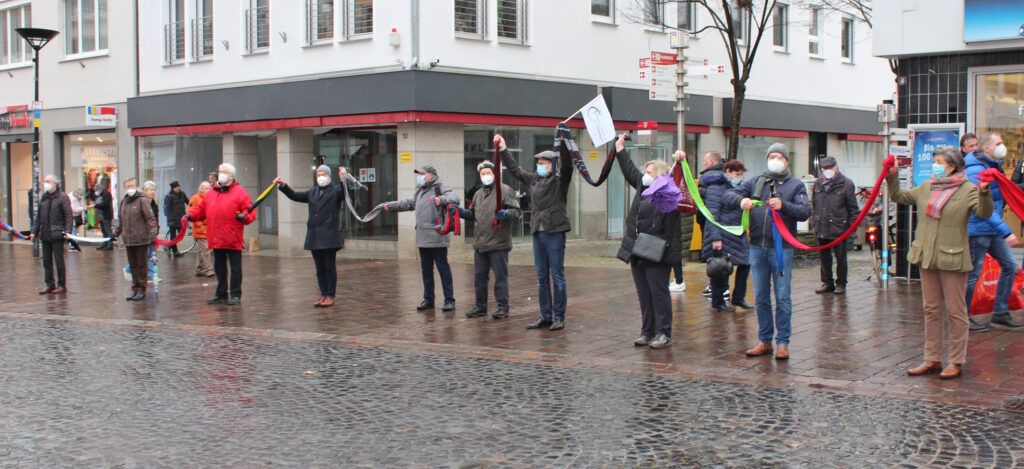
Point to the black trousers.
(483, 264)
(739, 290)
(138, 263)
(326, 261)
(105, 228)
(826, 262)
(655, 303)
(429, 257)
(53, 255)
(221, 259)
(171, 233)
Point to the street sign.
(705, 70)
(647, 125)
(902, 135)
(662, 74)
(900, 151)
(678, 39)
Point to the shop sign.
(993, 20)
(14, 116)
(101, 116)
(368, 175)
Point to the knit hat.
(778, 148)
(324, 168)
(827, 162)
(174, 184)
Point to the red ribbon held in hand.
(177, 239)
(1012, 194)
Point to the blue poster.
(992, 20)
(925, 142)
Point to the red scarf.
(942, 191)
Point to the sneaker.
(673, 286)
(707, 291)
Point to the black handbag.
(649, 247)
(720, 266)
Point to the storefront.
(371, 156)
(90, 159)
(187, 159)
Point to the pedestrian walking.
(787, 196)
(491, 245)
(834, 209)
(103, 204)
(549, 222)
(428, 202)
(323, 228)
(204, 266)
(941, 250)
(175, 207)
(76, 198)
(225, 209)
(137, 229)
(718, 242)
(53, 223)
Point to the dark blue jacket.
(323, 229)
(993, 225)
(716, 184)
(795, 207)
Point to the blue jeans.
(428, 258)
(549, 260)
(996, 247)
(764, 268)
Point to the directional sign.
(898, 134)
(900, 151)
(706, 70)
(662, 74)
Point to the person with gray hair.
(323, 227)
(834, 209)
(990, 235)
(52, 224)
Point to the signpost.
(662, 74)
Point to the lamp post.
(36, 38)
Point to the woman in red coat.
(224, 210)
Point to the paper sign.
(593, 154)
(406, 157)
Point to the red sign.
(663, 58)
(646, 125)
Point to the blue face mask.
(938, 170)
(542, 170)
(421, 180)
(735, 182)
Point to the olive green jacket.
(942, 243)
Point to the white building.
(389, 85)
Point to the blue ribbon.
(777, 237)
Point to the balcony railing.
(174, 42)
(202, 37)
(257, 29)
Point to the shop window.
(859, 160)
(371, 157)
(188, 159)
(999, 107)
(752, 151)
(85, 26)
(13, 49)
(471, 18)
(91, 159)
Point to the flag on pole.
(599, 121)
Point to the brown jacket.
(137, 221)
(942, 243)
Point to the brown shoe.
(925, 368)
(319, 302)
(60, 290)
(953, 370)
(840, 290)
(782, 353)
(759, 349)
(328, 301)
(47, 290)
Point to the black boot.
(539, 324)
(425, 305)
(477, 312)
(1006, 320)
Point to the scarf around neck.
(942, 191)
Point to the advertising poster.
(993, 20)
(926, 139)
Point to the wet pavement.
(90, 379)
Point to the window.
(202, 30)
(740, 17)
(602, 8)
(319, 21)
(257, 26)
(847, 50)
(780, 26)
(512, 20)
(471, 18)
(361, 18)
(654, 12)
(686, 16)
(814, 31)
(13, 49)
(174, 32)
(85, 26)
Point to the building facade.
(382, 87)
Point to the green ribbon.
(691, 186)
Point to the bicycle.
(187, 243)
(878, 258)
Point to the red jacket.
(219, 208)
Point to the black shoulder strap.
(759, 187)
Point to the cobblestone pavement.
(101, 396)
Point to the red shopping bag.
(985, 290)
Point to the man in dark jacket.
(103, 203)
(777, 189)
(53, 223)
(175, 207)
(491, 245)
(834, 210)
(430, 198)
(549, 191)
(323, 228)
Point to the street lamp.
(36, 38)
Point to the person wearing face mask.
(323, 228)
(103, 203)
(225, 209)
(717, 242)
(650, 220)
(204, 266)
(491, 246)
(787, 196)
(834, 209)
(53, 223)
(549, 191)
(137, 229)
(430, 197)
(945, 203)
(991, 235)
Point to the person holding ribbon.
(323, 228)
(717, 241)
(771, 258)
(53, 223)
(226, 209)
(946, 203)
(834, 210)
(137, 229)
(430, 196)
(492, 240)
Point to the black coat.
(104, 205)
(644, 218)
(835, 207)
(1018, 175)
(702, 189)
(323, 225)
(55, 217)
(175, 206)
(738, 247)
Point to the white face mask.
(648, 180)
(222, 178)
(829, 173)
(323, 181)
(776, 165)
(131, 192)
(999, 152)
(487, 179)
(47, 187)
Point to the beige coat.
(942, 243)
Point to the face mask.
(132, 192)
(323, 181)
(776, 165)
(647, 180)
(47, 187)
(222, 178)
(938, 170)
(421, 180)
(542, 170)
(999, 152)
(97, 192)
(735, 181)
(829, 173)
(487, 179)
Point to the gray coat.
(427, 213)
(834, 208)
(547, 194)
(485, 239)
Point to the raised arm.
(511, 163)
(634, 177)
(302, 197)
(900, 196)
(565, 169)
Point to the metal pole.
(680, 43)
(35, 157)
(885, 202)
